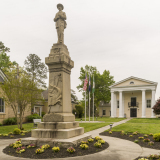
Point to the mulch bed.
(48, 153)
(16, 136)
(156, 145)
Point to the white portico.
(133, 97)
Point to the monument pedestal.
(58, 126)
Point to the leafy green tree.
(102, 83)
(5, 63)
(38, 72)
(73, 96)
(79, 111)
(36, 69)
(17, 91)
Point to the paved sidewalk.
(119, 149)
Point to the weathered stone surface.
(57, 133)
(58, 125)
(64, 143)
(59, 117)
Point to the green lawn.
(92, 126)
(10, 128)
(105, 119)
(142, 125)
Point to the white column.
(115, 105)
(112, 104)
(40, 111)
(123, 104)
(153, 103)
(120, 105)
(143, 104)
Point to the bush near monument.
(33, 116)
(156, 107)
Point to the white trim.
(3, 105)
(155, 83)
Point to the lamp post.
(111, 126)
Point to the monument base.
(63, 143)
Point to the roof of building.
(136, 78)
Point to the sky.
(122, 36)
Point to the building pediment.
(133, 81)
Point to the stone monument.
(59, 125)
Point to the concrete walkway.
(119, 149)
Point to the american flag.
(85, 83)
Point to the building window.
(1, 105)
(148, 103)
(117, 104)
(104, 112)
(131, 82)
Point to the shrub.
(31, 146)
(84, 142)
(90, 140)
(156, 137)
(84, 146)
(145, 135)
(150, 143)
(156, 107)
(10, 121)
(135, 133)
(16, 131)
(11, 136)
(10, 133)
(140, 137)
(98, 138)
(43, 113)
(46, 146)
(146, 140)
(0, 135)
(5, 135)
(153, 156)
(130, 135)
(110, 132)
(22, 134)
(150, 134)
(98, 145)
(33, 116)
(101, 141)
(55, 149)
(136, 141)
(39, 150)
(71, 150)
(17, 145)
(79, 111)
(0, 124)
(20, 150)
(122, 133)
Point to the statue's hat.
(60, 5)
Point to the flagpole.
(89, 106)
(93, 100)
(89, 96)
(85, 106)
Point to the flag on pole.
(85, 83)
(89, 83)
(93, 88)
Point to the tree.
(17, 92)
(38, 72)
(36, 69)
(5, 63)
(73, 96)
(156, 107)
(102, 83)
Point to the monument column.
(143, 104)
(120, 105)
(153, 103)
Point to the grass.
(10, 128)
(142, 125)
(92, 126)
(105, 119)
